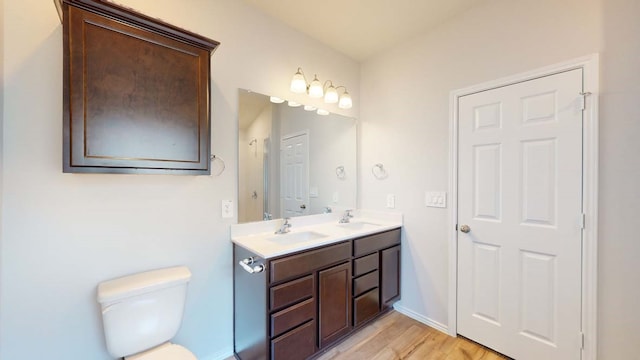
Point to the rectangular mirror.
(293, 162)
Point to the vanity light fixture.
(316, 89)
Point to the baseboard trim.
(421, 318)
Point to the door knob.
(303, 206)
(465, 228)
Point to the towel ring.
(340, 173)
(221, 165)
(378, 171)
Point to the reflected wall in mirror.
(293, 162)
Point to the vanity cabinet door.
(390, 276)
(334, 300)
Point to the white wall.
(64, 233)
(405, 116)
(619, 246)
(2, 40)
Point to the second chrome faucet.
(285, 228)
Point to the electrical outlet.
(227, 209)
(391, 201)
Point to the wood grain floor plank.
(397, 337)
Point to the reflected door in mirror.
(295, 177)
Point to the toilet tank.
(143, 310)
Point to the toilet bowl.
(166, 351)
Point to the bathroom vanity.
(298, 293)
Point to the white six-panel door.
(294, 181)
(519, 193)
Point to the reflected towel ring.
(340, 173)
(219, 169)
(379, 171)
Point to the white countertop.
(309, 232)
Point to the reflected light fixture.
(322, 112)
(310, 108)
(276, 100)
(293, 103)
(316, 89)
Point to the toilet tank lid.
(141, 283)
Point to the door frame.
(590, 66)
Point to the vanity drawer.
(308, 261)
(366, 306)
(365, 283)
(365, 264)
(297, 344)
(291, 317)
(376, 242)
(291, 292)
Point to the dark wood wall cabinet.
(303, 303)
(136, 92)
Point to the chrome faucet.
(346, 217)
(285, 227)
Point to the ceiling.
(252, 106)
(362, 28)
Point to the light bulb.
(322, 112)
(315, 89)
(345, 101)
(298, 83)
(331, 96)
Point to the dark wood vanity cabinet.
(301, 304)
(376, 275)
(136, 92)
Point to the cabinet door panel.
(297, 344)
(334, 298)
(136, 101)
(366, 306)
(390, 267)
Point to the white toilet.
(142, 312)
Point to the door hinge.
(583, 100)
(583, 221)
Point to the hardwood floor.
(396, 336)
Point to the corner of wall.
(2, 12)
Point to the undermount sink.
(296, 237)
(359, 226)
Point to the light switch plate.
(227, 209)
(435, 199)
